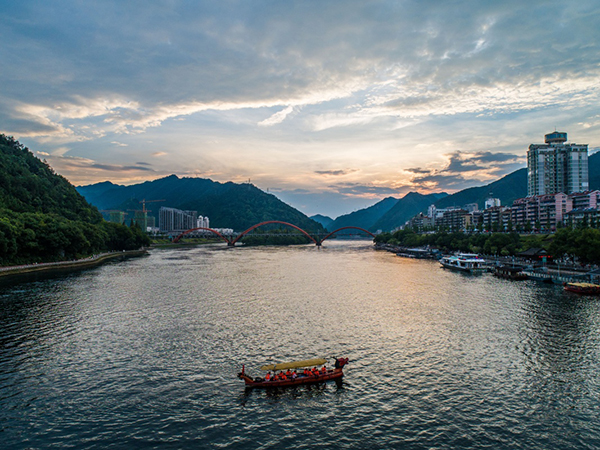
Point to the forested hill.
(43, 218)
(364, 218)
(28, 185)
(227, 205)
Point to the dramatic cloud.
(283, 92)
(465, 169)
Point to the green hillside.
(43, 218)
(228, 205)
(28, 185)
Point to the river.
(144, 354)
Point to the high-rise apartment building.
(171, 219)
(557, 166)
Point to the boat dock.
(557, 276)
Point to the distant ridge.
(364, 218)
(228, 205)
(323, 220)
(407, 207)
(507, 189)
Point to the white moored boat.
(466, 262)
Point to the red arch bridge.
(231, 241)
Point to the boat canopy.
(583, 285)
(295, 364)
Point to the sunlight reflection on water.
(144, 354)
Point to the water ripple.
(144, 354)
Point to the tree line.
(579, 244)
(43, 218)
(276, 237)
(36, 237)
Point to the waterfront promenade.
(78, 264)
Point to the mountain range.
(385, 213)
(227, 205)
(390, 212)
(240, 206)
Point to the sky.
(329, 105)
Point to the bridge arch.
(344, 228)
(200, 228)
(243, 233)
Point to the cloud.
(356, 189)
(465, 169)
(338, 172)
(386, 61)
(117, 168)
(276, 118)
(450, 91)
(417, 170)
(88, 169)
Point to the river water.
(144, 354)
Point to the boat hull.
(335, 374)
(464, 263)
(582, 288)
(299, 380)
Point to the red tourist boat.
(583, 288)
(299, 378)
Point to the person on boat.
(323, 370)
(315, 371)
(288, 373)
(281, 375)
(268, 376)
(305, 372)
(294, 375)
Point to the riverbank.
(67, 266)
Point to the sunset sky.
(330, 105)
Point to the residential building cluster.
(558, 195)
(175, 220)
(170, 221)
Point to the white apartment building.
(203, 222)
